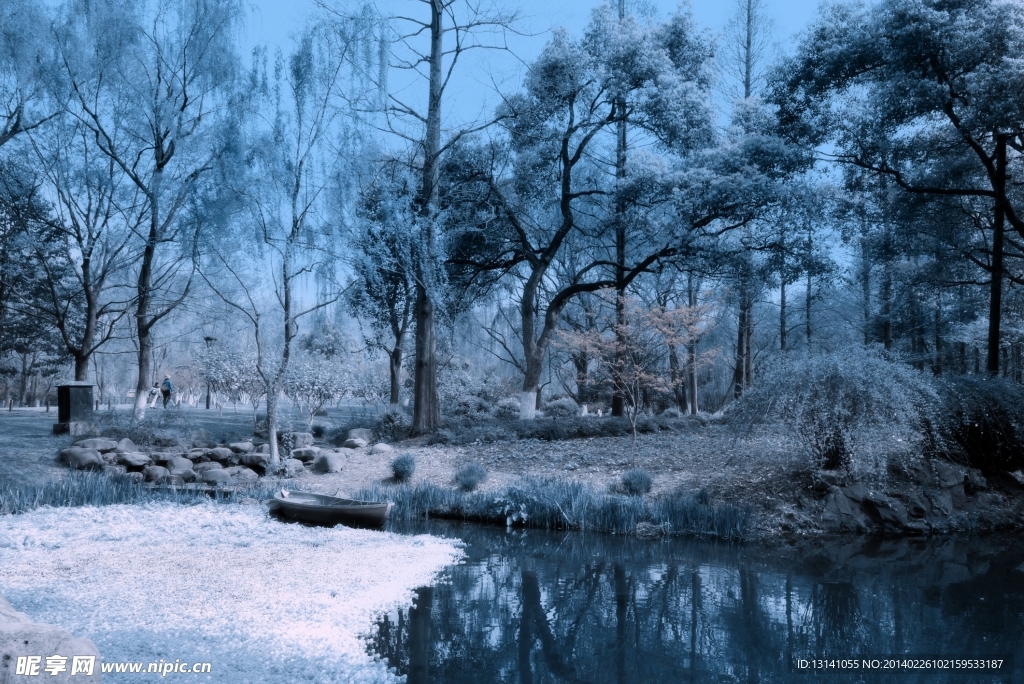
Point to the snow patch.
(261, 600)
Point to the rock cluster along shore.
(212, 464)
(40, 647)
(940, 497)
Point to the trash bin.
(74, 407)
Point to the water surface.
(532, 607)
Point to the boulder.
(355, 443)
(134, 459)
(126, 446)
(204, 467)
(203, 439)
(216, 477)
(219, 453)
(241, 447)
(329, 463)
(648, 530)
(97, 443)
(305, 454)
(260, 460)
(114, 470)
(292, 467)
(946, 474)
(842, 514)
(885, 510)
(178, 463)
(196, 455)
(856, 492)
(941, 500)
(81, 457)
(381, 448)
(246, 475)
(364, 434)
(298, 439)
(164, 456)
(264, 449)
(155, 473)
(184, 475)
(20, 637)
(136, 477)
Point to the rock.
(305, 454)
(946, 474)
(958, 495)
(134, 459)
(360, 433)
(126, 446)
(841, 514)
(184, 475)
(249, 501)
(298, 439)
(856, 492)
(81, 457)
(109, 457)
(264, 449)
(21, 637)
(259, 459)
(203, 439)
(219, 453)
(114, 470)
(887, 511)
(204, 467)
(941, 500)
(974, 481)
(823, 479)
(178, 463)
(97, 443)
(381, 448)
(292, 467)
(216, 477)
(246, 475)
(329, 463)
(164, 456)
(241, 447)
(197, 455)
(1018, 476)
(355, 443)
(136, 477)
(155, 473)
(917, 505)
(648, 530)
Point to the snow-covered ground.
(260, 600)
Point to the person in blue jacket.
(166, 388)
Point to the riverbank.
(215, 583)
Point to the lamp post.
(208, 340)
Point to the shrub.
(982, 423)
(403, 467)
(506, 408)
(469, 476)
(672, 412)
(318, 430)
(470, 406)
(858, 409)
(158, 428)
(393, 426)
(562, 408)
(636, 482)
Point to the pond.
(532, 607)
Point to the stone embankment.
(216, 465)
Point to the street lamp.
(208, 340)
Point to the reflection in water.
(533, 607)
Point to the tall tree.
(926, 94)
(152, 82)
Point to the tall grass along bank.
(567, 505)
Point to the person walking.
(166, 388)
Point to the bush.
(470, 406)
(393, 426)
(562, 408)
(159, 428)
(506, 409)
(857, 409)
(318, 430)
(982, 423)
(469, 476)
(636, 482)
(403, 467)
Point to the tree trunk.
(782, 315)
(618, 400)
(426, 408)
(739, 378)
(275, 455)
(678, 380)
(691, 349)
(995, 308)
(395, 367)
(887, 292)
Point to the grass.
(548, 429)
(566, 505)
(403, 467)
(636, 482)
(469, 476)
(85, 488)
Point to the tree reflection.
(535, 608)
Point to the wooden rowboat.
(330, 510)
